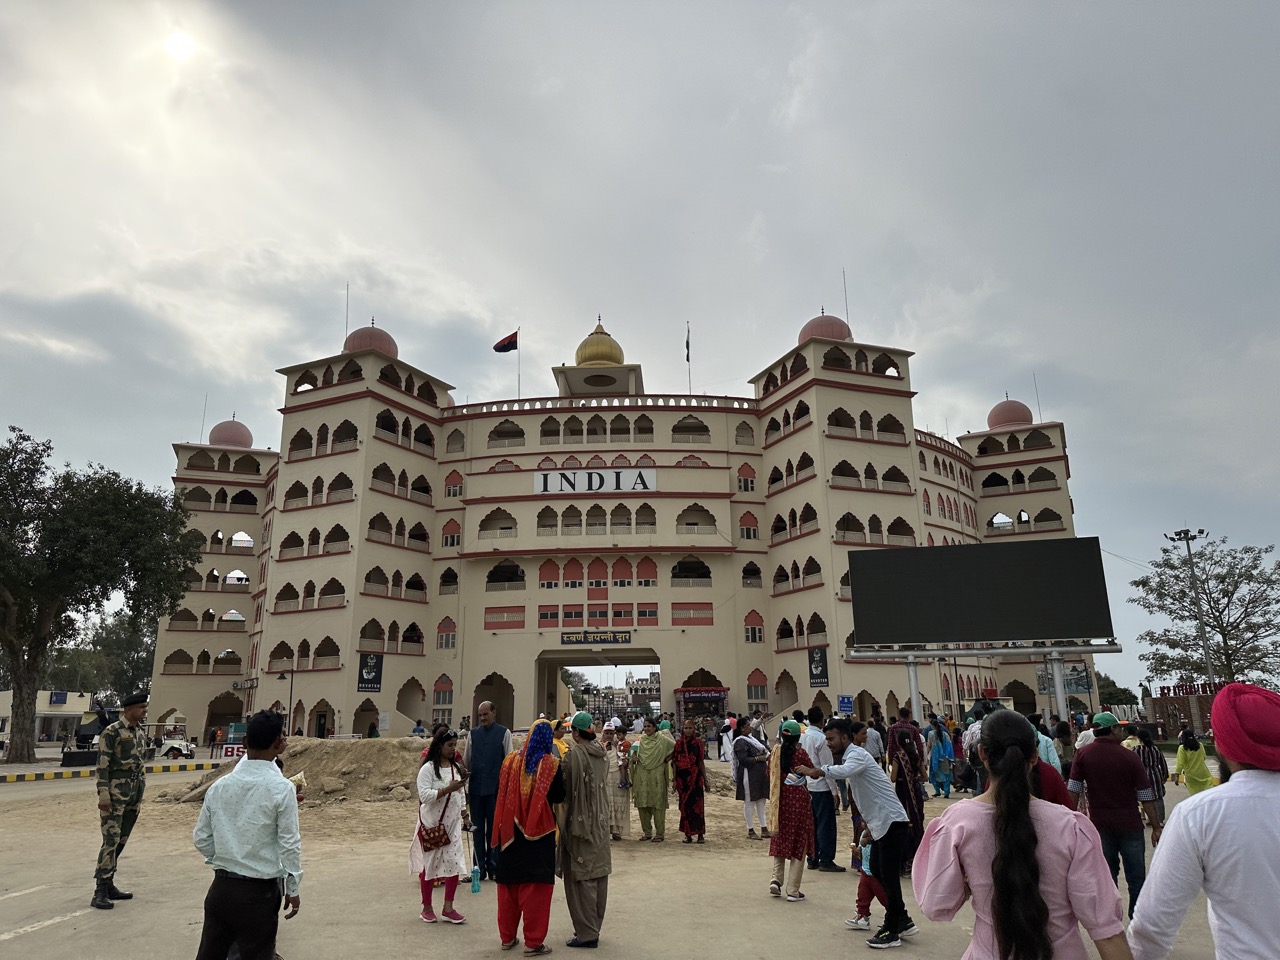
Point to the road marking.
(31, 928)
(22, 893)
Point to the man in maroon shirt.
(1117, 782)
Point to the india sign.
(626, 480)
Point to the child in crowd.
(868, 886)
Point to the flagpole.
(517, 363)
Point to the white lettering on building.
(628, 480)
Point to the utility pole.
(1186, 536)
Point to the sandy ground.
(358, 900)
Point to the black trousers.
(886, 866)
(241, 913)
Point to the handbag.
(433, 838)
(944, 765)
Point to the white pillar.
(913, 681)
(1059, 684)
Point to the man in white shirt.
(875, 744)
(248, 833)
(822, 796)
(1223, 841)
(886, 821)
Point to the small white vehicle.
(171, 748)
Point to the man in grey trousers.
(585, 861)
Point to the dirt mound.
(336, 770)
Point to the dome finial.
(372, 322)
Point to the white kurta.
(447, 861)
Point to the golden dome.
(599, 349)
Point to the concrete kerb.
(34, 775)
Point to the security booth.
(704, 705)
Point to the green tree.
(128, 647)
(79, 667)
(1111, 693)
(69, 540)
(1240, 596)
(573, 679)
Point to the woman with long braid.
(1034, 869)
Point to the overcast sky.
(1083, 192)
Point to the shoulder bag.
(433, 838)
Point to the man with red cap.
(1223, 841)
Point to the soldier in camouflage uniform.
(121, 780)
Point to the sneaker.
(775, 888)
(453, 916)
(794, 897)
(428, 915)
(910, 930)
(765, 834)
(830, 868)
(859, 923)
(884, 940)
(751, 834)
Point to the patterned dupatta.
(523, 784)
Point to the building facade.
(404, 557)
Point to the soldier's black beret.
(134, 699)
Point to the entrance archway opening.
(226, 708)
(862, 704)
(1024, 698)
(614, 679)
(891, 706)
(411, 701)
(321, 720)
(497, 690)
(785, 694)
(701, 698)
(296, 721)
(365, 720)
(821, 701)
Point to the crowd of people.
(1036, 857)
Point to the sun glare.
(180, 46)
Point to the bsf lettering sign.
(230, 751)
(595, 481)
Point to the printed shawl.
(522, 796)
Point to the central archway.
(226, 708)
(785, 693)
(366, 714)
(1024, 698)
(498, 690)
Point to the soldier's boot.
(101, 896)
(115, 893)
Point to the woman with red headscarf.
(525, 834)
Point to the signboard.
(384, 720)
(369, 680)
(591, 638)
(627, 480)
(1075, 678)
(229, 751)
(57, 697)
(818, 667)
(844, 703)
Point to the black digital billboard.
(980, 593)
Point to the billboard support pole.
(913, 682)
(1059, 683)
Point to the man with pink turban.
(1225, 841)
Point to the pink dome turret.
(231, 433)
(371, 338)
(826, 327)
(1009, 413)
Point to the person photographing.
(248, 833)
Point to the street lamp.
(289, 711)
(1186, 536)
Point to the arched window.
(924, 503)
(549, 431)
(455, 442)
(885, 365)
(751, 575)
(506, 434)
(1036, 440)
(497, 524)
(620, 519)
(695, 519)
(572, 430)
(837, 359)
(300, 445)
(642, 430)
(690, 429)
(890, 427)
(744, 434)
(306, 381)
(448, 581)
(690, 572)
(990, 445)
(646, 519)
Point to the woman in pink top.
(1034, 869)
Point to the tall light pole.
(289, 710)
(1186, 536)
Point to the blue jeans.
(823, 805)
(1129, 846)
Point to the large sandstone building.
(403, 557)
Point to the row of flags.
(512, 342)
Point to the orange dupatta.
(522, 799)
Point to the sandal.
(541, 950)
(512, 945)
(643, 839)
(657, 839)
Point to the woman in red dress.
(689, 761)
(790, 815)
